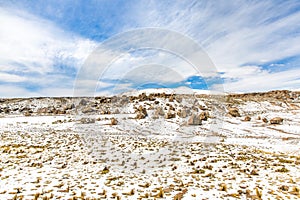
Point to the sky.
(47, 46)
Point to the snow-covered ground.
(80, 153)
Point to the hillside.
(151, 144)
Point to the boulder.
(61, 112)
(113, 121)
(141, 112)
(85, 120)
(83, 102)
(247, 119)
(234, 112)
(182, 113)
(87, 110)
(143, 97)
(276, 120)
(27, 114)
(265, 120)
(159, 111)
(69, 107)
(140, 115)
(194, 120)
(42, 110)
(170, 115)
(202, 107)
(204, 116)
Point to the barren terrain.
(151, 145)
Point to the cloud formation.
(36, 51)
(253, 44)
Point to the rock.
(178, 99)
(87, 110)
(105, 112)
(265, 120)
(143, 97)
(113, 121)
(27, 114)
(83, 102)
(87, 120)
(254, 172)
(247, 119)
(202, 107)
(234, 112)
(204, 116)
(141, 112)
(61, 112)
(117, 111)
(155, 116)
(194, 120)
(182, 113)
(159, 111)
(140, 115)
(276, 120)
(42, 110)
(69, 107)
(258, 118)
(7, 110)
(284, 188)
(170, 115)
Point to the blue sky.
(254, 45)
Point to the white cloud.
(233, 33)
(11, 91)
(33, 46)
(5, 77)
(289, 79)
(36, 43)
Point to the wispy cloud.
(34, 50)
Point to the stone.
(234, 112)
(27, 114)
(42, 111)
(182, 113)
(265, 120)
(194, 120)
(276, 120)
(113, 121)
(204, 116)
(247, 119)
(87, 120)
(170, 115)
(141, 112)
(87, 110)
(83, 102)
(159, 111)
